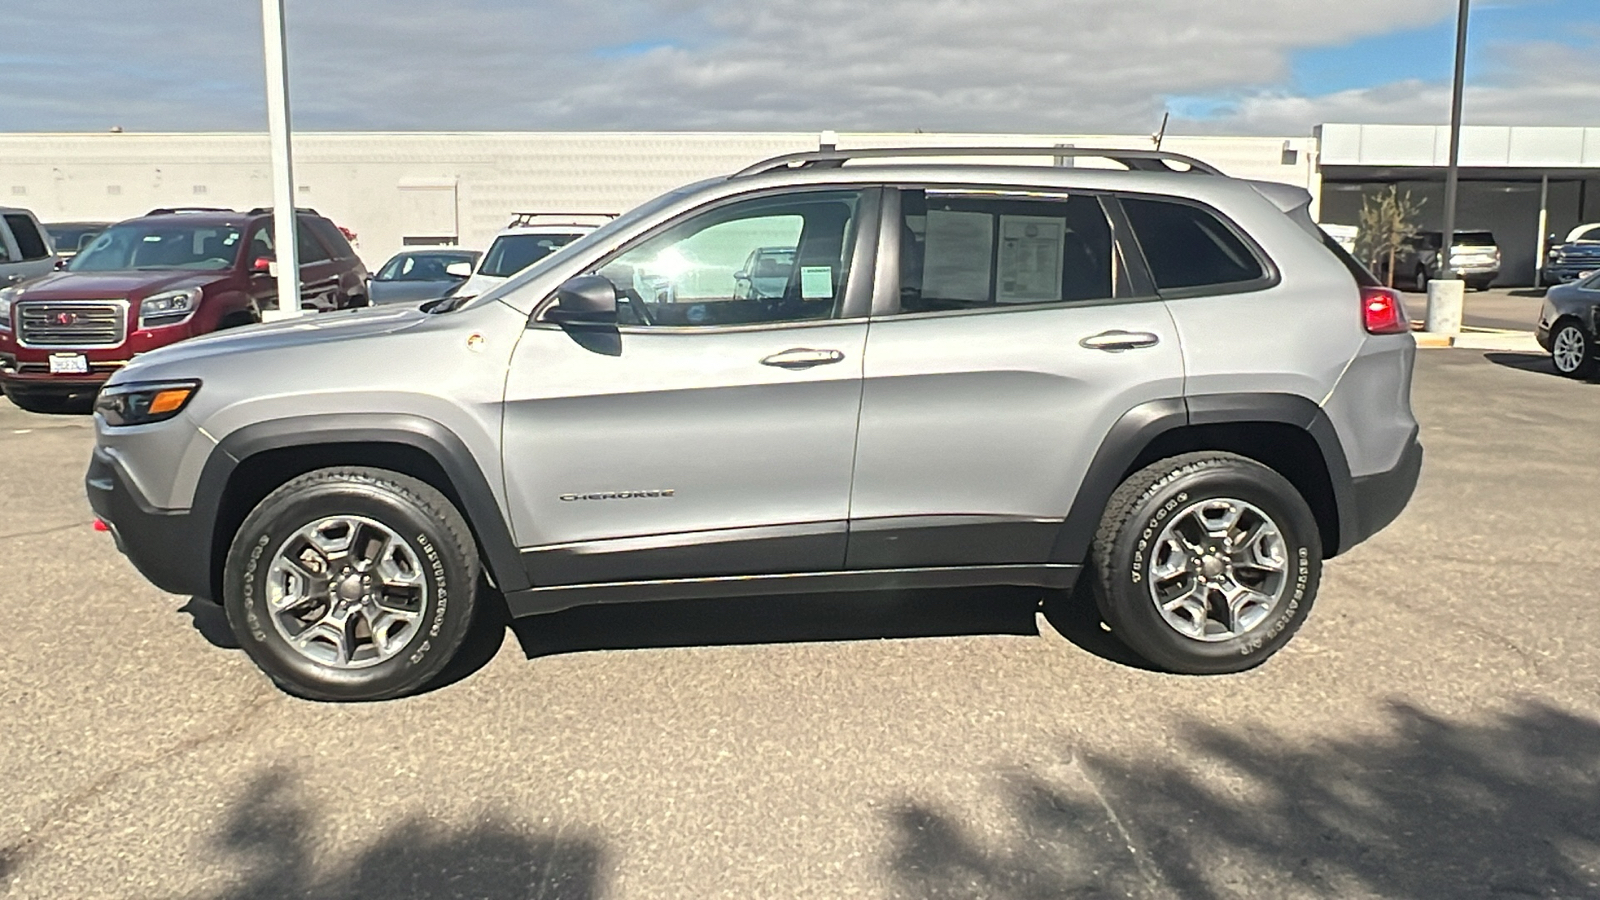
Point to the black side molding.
(1140, 426)
(537, 601)
(467, 480)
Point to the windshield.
(160, 245)
(598, 238)
(422, 266)
(511, 253)
(68, 238)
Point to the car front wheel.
(1572, 351)
(1206, 563)
(352, 584)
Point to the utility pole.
(287, 248)
(1445, 302)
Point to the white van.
(529, 238)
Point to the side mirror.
(459, 270)
(584, 300)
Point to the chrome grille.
(76, 323)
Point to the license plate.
(69, 364)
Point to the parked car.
(70, 237)
(1476, 258)
(1569, 326)
(529, 238)
(148, 282)
(765, 273)
(415, 276)
(1168, 384)
(1574, 258)
(25, 248)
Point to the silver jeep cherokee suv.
(1163, 382)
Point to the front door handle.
(803, 358)
(1116, 341)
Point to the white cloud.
(1527, 84)
(994, 65)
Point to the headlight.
(7, 295)
(141, 404)
(169, 308)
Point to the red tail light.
(1382, 311)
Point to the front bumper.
(165, 545)
(1378, 499)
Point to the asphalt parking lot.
(1433, 732)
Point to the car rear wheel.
(1206, 563)
(1572, 350)
(352, 584)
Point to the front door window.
(771, 260)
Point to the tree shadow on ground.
(1506, 807)
(781, 620)
(270, 841)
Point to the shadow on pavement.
(1434, 808)
(781, 620)
(1538, 363)
(1527, 292)
(270, 841)
(483, 641)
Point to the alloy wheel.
(1218, 569)
(1568, 349)
(346, 592)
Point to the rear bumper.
(163, 544)
(1565, 273)
(1378, 499)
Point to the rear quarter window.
(331, 238)
(1188, 247)
(29, 241)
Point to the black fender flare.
(477, 499)
(1143, 424)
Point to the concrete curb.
(1480, 339)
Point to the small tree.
(1388, 221)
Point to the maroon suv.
(150, 281)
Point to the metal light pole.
(1445, 296)
(275, 32)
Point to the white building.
(400, 189)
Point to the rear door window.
(1187, 246)
(975, 249)
(30, 242)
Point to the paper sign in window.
(1031, 252)
(816, 283)
(957, 255)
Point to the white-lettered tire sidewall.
(446, 613)
(1132, 612)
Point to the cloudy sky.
(1263, 66)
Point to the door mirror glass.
(584, 300)
(461, 269)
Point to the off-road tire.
(1122, 558)
(422, 516)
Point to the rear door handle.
(803, 358)
(1116, 341)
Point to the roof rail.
(176, 210)
(1137, 160)
(264, 210)
(523, 219)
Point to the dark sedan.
(416, 276)
(1569, 324)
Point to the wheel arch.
(253, 461)
(1285, 432)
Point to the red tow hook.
(100, 525)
